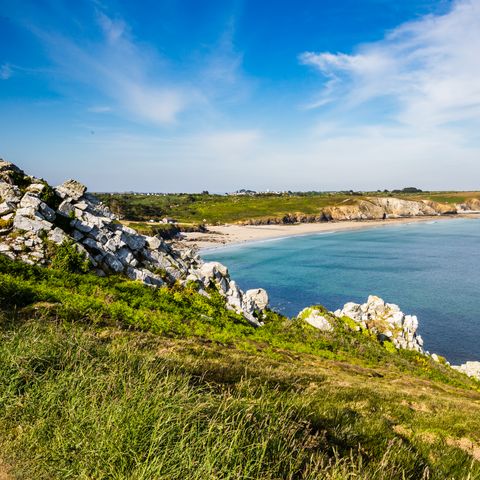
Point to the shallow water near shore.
(431, 270)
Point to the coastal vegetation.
(123, 356)
(109, 378)
(194, 209)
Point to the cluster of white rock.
(386, 320)
(472, 369)
(28, 225)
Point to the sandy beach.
(222, 235)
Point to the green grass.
(218, 209)
(214, 209)
(107, 378)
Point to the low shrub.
(66, 257)
(49, 196)
(6, 224)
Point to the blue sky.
(187, 95)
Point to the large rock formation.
(396, 207)
(442, 208)
(33, 217)
(386, 320)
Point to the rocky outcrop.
(386, 320)
(472, 369)
(377, 208)
(361, 210)
(396, 207)
(442, 208)
(470, 206)
(35, 216)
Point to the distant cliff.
(373, 208)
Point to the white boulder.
(316, 318)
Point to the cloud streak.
(427, 69)
(119, 70)
(114, 67)
(5, 71)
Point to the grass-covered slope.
(107, 378)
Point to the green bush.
(4, 224)
(66, 257)
(390, 347)
(49, 196)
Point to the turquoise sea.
(429, 269)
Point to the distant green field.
(218, 209)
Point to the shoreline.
(236, 235)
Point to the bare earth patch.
(466, 445)
(5, 471)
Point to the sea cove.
(430, 269)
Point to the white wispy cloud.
(114, 29)
(132, 76)
(428, 69)
(221, 76)
(5, 71)
(99, 109)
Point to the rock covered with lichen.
(316, 317)
(34, 217)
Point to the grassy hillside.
(107, 378)
(215, 209)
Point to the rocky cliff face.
(35, 216)
(471, 205)
(377, 208)
(374, 208)
(362, 210)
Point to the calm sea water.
(431, 270)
